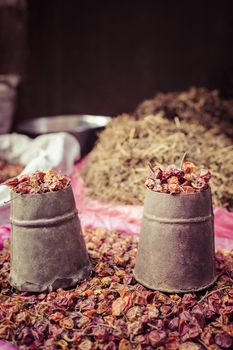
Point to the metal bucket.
(47, 246)
(176, 246)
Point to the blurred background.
(105, 57)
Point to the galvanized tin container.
(47, 246)
(176, 246)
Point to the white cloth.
(57, 150)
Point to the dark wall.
(13, 39)
(104, 57)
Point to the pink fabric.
(127, 218)
(4, 234)
(5, 345)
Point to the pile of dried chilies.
(117, 167)
(39, 182)
(112, 311)
(184, 180)
(8, 170)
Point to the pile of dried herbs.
(112, 311)
(38, 182)
(8, 170)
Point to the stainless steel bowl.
(83, 127)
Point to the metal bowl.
(83, 127)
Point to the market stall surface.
(110, 310)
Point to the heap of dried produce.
(117, 168)
(112, 311)
(196, 104)
(184, 180)
(39, 182)
(8, 170)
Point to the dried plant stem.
(151, 167)
(167, 315)
(183, 159)
(4, 203)
(202, 343)
(212, 292)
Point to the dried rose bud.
(44, 187)
(187, 189)
(174, 188)
(39, 175)
(189, 167)
(158, 173)
(64, 179)
(200, 184)
(50, 174)
(165, 188)
(149, 183)
(55, 186)
(66, 323)
(186, 183)
(175, 171)
(24, 189)
(34, 182)
(158, 188)
(11, 182)
(23, 178)
(34, 190)
(205, 174)
(56, 317)
(167, 174)
(190, 177)
(173, 180)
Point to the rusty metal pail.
(47, 246)
(176, 245)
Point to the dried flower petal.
(125, 345)
(224, 340)
(157, 338)
(189, 346)
(39, 182)
(111, 310)
(175, 181)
